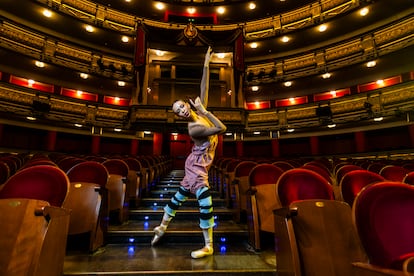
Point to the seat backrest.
(133, 164)
(345, 169)
(43, 182)
(284, 165)
(375, 167)
(353, 182)
(67, 163)
(409, 178)
(116, 166)
(264, 173)
(318, 169)
(300, 184)
(394, 173)
(316, 237)
(89, 171)
(23, 230)
(4, 172)
(244, 168)
(383, 215)
(231, 166)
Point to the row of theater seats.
(46, 200)
(327, 219)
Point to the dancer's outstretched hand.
(209, 54)
(198, 105)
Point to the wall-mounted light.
(39, 64)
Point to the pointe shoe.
(203, 252)
(159, 231)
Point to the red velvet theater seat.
(353, 181)
(383, 215)
(261, 201)
(42, 182)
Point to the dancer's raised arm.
(205, 80)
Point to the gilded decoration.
(148, 114)
(229, 116)
(262, 117)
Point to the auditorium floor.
(124, 259)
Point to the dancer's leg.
(169, 212)
(206, 222)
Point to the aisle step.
(141, 232)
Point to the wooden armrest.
(251, 191)
(285, 212)
(408, 265)
(366, 269)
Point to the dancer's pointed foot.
(159, 231)
(203, 252)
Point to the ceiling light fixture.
(322, 28)
(221, 55)
(40, 64)
(285, 39)
(252, 6)
(159, 53)
(84, 76)
(363, 11)
(371, 63)
(159, 6)
(253, 45)
(47, 13)
(326, 75)
(221, 10)
(125, 39)
(89, 29)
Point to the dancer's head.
(182, 108)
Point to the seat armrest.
(285, 212)
(408, 265)
(252, 191)
(366, 269)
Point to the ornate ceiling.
(384, 34)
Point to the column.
(51, 140)
(360, 141)
(96, 141)
(219, 150)
(275, 148)
(1, 132)
(157, 143)
(410, 132)
(239, 149)
(134, 147)
(314, 143)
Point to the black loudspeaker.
(40, 106)
(324, 111)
